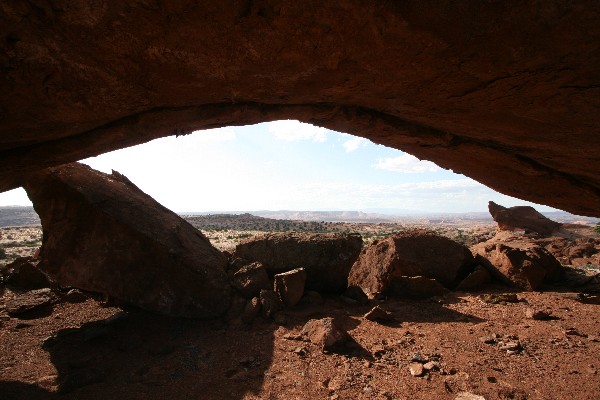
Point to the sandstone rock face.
(505, 92)
(522, 217)
(521, 262)
(327, 258)
(103, 234)
(409, 254)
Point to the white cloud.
(353, 144)
(406, 164)
(225, 134)
(15, 197)
(292, 131)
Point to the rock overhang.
(506, 93)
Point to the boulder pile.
(326, 258)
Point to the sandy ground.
(137, 355)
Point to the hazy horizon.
(288, 165)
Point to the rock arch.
(505, 92)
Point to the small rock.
(416, 369)
(28, 301)
(588, 298)
(432, 366)
(511, 346)
(251, 310)
(289, 286)
(325, 333)
(301, 351)
(538, 315)
(468, 396)
(417, 357)
(379, 314)
(573, 332)
(75, 296)
(292, 336)
(499, 298)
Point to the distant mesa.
(522, 218)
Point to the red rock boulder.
(327, 258)
(522, 218)
(519, 262)
(410, 254)
(103, 234)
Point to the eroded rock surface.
(505, 92)
(522, 218)
(103, 234)
(327, 258)
(410, 254)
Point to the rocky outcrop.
(327, 258)
(505, 91)
(519, 261)
(410, 254)
(522, 218)
(103, 234)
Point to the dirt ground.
(90, 351)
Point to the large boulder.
(327, 258)
(410, 254)
(103, 234)
(522, 218)
(518, 261)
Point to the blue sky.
(287, 165)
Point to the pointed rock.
(103, 234)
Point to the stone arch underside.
(507, 93)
